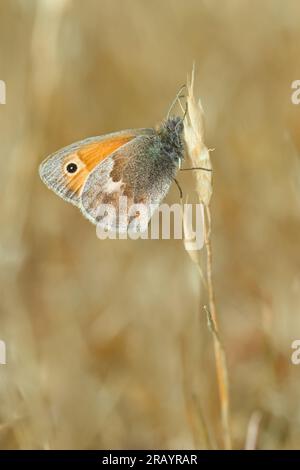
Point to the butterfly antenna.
(184, 115)
(180, 104)
(177, 97)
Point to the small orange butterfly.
(139, 164)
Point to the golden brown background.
(107, 342)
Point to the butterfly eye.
(71, 167)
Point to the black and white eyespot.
(71, 167)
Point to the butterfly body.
(138, 164)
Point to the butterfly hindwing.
(129, 176)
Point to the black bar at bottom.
(136, 458)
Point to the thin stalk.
(220, 356)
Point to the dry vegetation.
(108, 345)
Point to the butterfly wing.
(135, 174)
(84, 155)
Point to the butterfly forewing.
(81, 158)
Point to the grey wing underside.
(129, 176)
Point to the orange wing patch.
(87, 157)
(92, 154)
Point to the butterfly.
(137, 164)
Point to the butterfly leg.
(179, 188)
(196, 168)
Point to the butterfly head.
(170, 133)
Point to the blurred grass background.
(107, 342)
